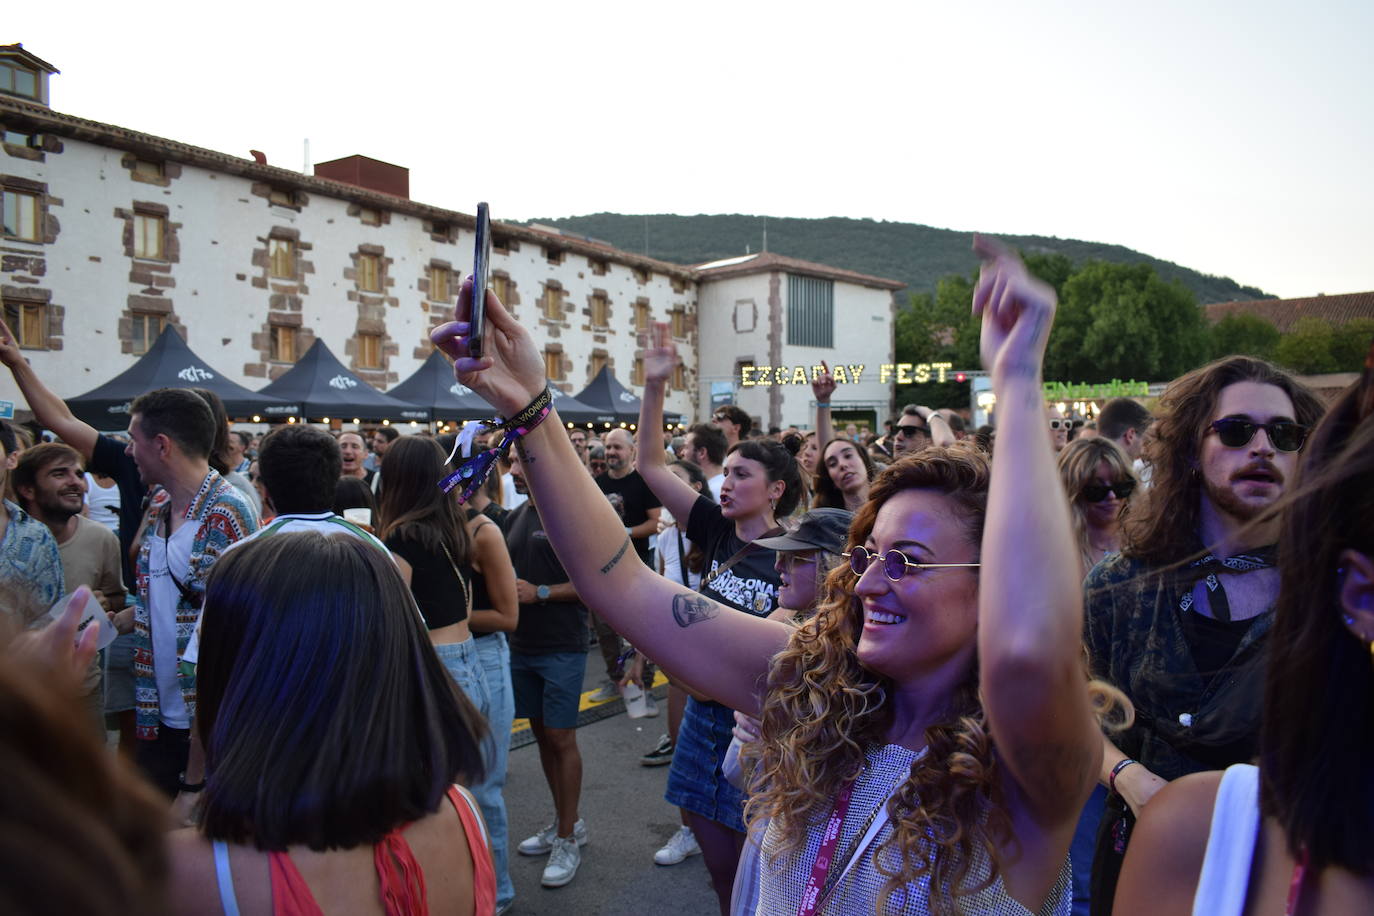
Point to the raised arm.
(722, 651)
(940, 433)
(48, 409)
(659, 362)
(1030, 611)
(823, 387)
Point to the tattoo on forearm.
(692, 608)
(610, 564)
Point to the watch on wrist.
(189, 788)
(541, 594)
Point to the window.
(503, 286)
(601, 310)
(21, 138)
(553, 365)
(637, 374)
(810, 312)
(369, 351)
(553, 303)
(148, 236)
(642, 316)
(370, 216)
(147, 168)
(438, 283)
(21, 215)
(29, 322)
(283, 348)
(368, 279)
(18, 80)
(679, 377)
(641, 276)
(146, 328)
(283, 257)
(679, 317)
(504, 244)
(553, 255)
(281, 197)
(598, 363)
(600, 266)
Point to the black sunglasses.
(910, 431)
(1096, 492)
(1284, 435)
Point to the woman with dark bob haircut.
(1298, 827)
(928, 737)
(333, 740)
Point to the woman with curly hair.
(1098, 479)
(928, 739)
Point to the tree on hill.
(1314, 346)
(1351, 344)
(1123, 321)
(1244, 334)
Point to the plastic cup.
(359, 516)
(635, 704)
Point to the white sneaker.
(564, 859)
(678, 848)
(542, 842)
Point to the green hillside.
(917, 255)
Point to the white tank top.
(1225, 874)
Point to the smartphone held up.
(481, 265)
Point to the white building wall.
(862, 337)
(221, 223)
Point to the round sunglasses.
(1096, 492)
(895, 563)
(1284, 435)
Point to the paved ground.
(627, 820)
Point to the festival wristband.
(1121, 765)
(475, 470)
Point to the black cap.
(820, 529)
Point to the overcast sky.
(1232, 137)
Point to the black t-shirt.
(435, 583)
(633, 499)
(554, 626)
(109, 460)
(751, 585)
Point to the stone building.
(110, 235)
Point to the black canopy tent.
(169, 363)
(607, 395)
(572, 410)
(432, 387)
(319, 386)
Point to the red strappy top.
(403, 884)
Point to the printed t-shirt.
(554, 626)
(167, 557)
(751, 585)
(633, 499)
(103, 503)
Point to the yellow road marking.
(584, 703)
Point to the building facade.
(110, 235)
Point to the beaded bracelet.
(474, 471)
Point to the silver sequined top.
(782, 878)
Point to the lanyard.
(829, 840)
(1295, 885)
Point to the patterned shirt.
(1137, 640)
(222, 515)
(31, 565)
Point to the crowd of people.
(1043, 668)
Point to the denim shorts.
(695, 780)
(548, 687)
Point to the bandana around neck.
(1206, 570)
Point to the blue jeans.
(1081, 850)
(494, 655)
(464, 664)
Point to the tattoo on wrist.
(692, 608)
(610, 564)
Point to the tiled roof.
(768, 261)
(17, 50)
(18, 113)
(1283, 313)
